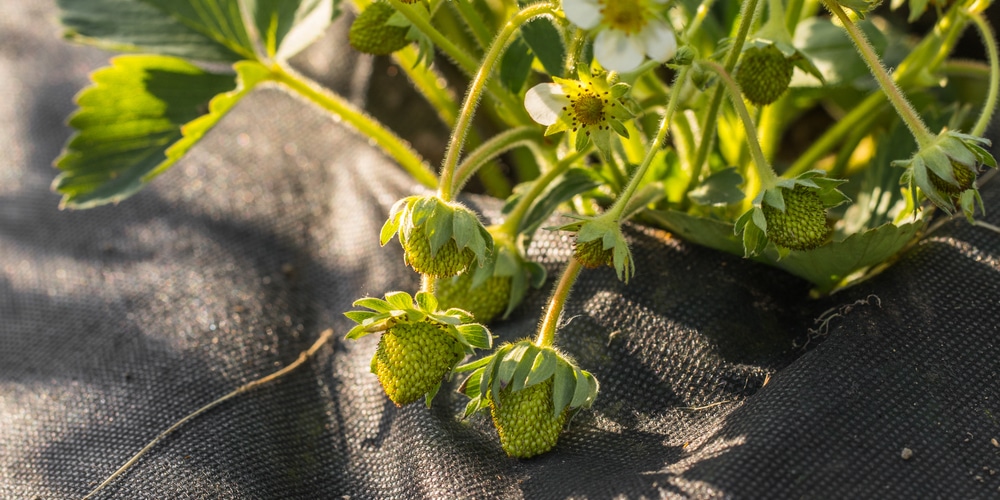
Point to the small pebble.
(995, 443)
(906, 454)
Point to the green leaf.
(204, 30)
(828, 265)
(547, 44)
(560, 190)
(515, 66)
(720, 188)
(288, 26)
(832, 52)
(475, 365)
(142, 114)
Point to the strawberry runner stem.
(448, 187)
(909, 115)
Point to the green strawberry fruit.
(525, 421)
(764, 74)
(965, 176)
(370, 34)
(448, 261)
(485, 301)
(592, 254)
(802, 226)
(412, 358)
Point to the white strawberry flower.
(627, 31)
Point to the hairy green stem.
(499, 144)
(547, 330)
(920, 132)
(920, 59)
(616, 210)
(989, 40)
(768, 178)
(712, 114)
(393, 145)
(574, 51)
(447, 186)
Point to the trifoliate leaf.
(142, 114)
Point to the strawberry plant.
(672, 113)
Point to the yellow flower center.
(588, 109)
(629, 16)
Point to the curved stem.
(768, 178)
(303, 357)
(989, 40)
(654, 146)
(920, 132)
(711, 117)
(393, 145)
(499, 144)
(446, 188)
(547, 330)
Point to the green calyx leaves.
(439, 238)
(795, 208)
(144, 112)
(400, 307)
(522, 365)
(600, 242)
(861, 7)
(945, 171)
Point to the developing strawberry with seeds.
(420, 344)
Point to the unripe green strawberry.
(448, 261)
(370, 34)
(965, 177)
(764, 74)
(412, 358)
(524, 420)
(485, 301)
(592, 254)
(802, 226)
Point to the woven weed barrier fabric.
(715, 379)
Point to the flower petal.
(658, 41)
(544, 102)
(617, 51)
(583, 13)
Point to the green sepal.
(542, 367)
(524, 365)
(563, 387)
(399, 307)
(431, 393)
(609, 232)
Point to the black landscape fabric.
(715, 379)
